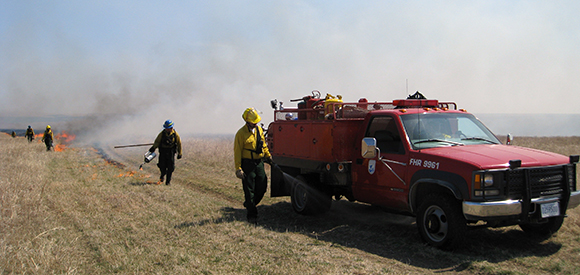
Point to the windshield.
(446, 129)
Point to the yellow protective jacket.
(245, 145)
(29, 132)
(48, 135)
(167, 141)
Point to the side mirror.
(368, 148)
(509, 140)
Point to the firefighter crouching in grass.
(48, 137)
(250, 150)
(169, 143)
(29, 134)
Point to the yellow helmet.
(251, 115)
(47, 126)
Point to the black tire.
(543, 230)
(440, 221)
(307, 200)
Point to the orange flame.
(59, 147)
(65, 137)
(128, 174)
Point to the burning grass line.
(108, 159)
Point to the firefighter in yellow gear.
(48, 137)
(29, 134)
(250, 151)
(169, 144)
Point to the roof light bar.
(415, 103)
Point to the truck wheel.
(440, 221)
(307, 200)
(543, 230)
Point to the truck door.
(382, 182)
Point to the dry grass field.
(74, 212)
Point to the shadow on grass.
(230, 215)
(393, 236)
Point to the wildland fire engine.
(419, 157)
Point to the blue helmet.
(168, 124)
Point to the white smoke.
(129, 66)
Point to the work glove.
(179, 156)
(240, 174)
(152, 149)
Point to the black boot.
(168, 179)
(252, 215)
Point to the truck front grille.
(542, 181)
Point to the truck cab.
(419, 157)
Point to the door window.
(384, 130)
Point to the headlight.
(486, 184)
(488, 193)
(493, 192)
(488, 179)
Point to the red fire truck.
(419, 157)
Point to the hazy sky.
(201, 63)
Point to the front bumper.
(475, 210)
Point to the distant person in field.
(13, 134)
(169, 144)
(48, 137)
(250, 151)
(29, 134)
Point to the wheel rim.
(300, 196)
(435, 223)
